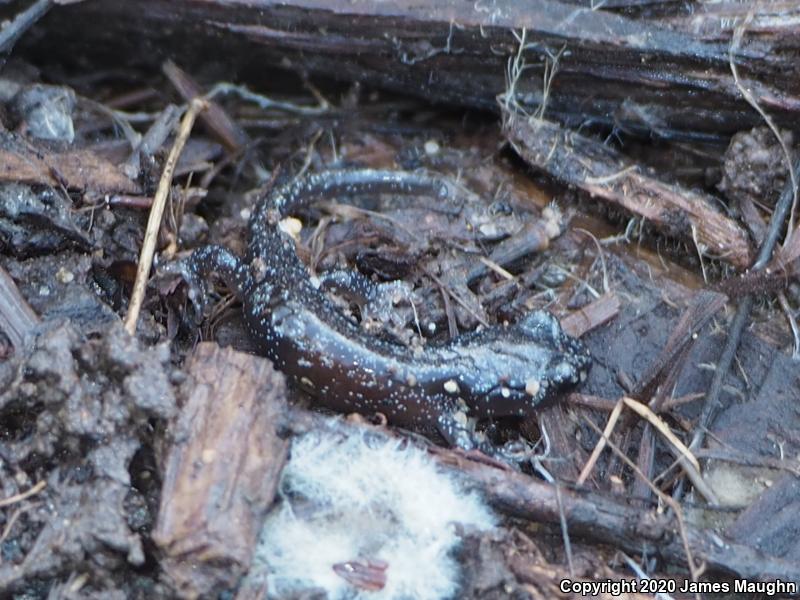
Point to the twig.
(591, 316)
(446, 289)
(266, 103)
(12, 520)
(688, 463)
(562, 521)
(496, 268)
(219, 123)
(642, 575)
(578, 160)
(157, 212)
(792, 324)
(685, 459)
(647, 414)
(612, 177)
(693, 571)
(736, 41)
(667, 365)
(152, 140)
(22, 22)
(600, 254)
(23, 495)
(309, 154)
(782, 209)
(601, 443)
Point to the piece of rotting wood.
(659, 75)
(604, 173)
(222, 127)
(222, 470)
(593, 315)
(73, 169)
(17, 319)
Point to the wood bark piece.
(222, 470)
(224, 129)
(74, 169)
(669, 75)
(593, 315)
(606, 174)
(17, 319)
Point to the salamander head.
(517, 368)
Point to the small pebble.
(431, 148)
(65, 276)
(451, 387)
(291, 226)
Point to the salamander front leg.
(455, 429)
(196, 268)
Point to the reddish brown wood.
(222, 470)
(608, 175)
(18, 320)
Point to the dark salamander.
(500, 371)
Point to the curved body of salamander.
(500, 371)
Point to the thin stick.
(693, 570)
(157, 212)
(22, 495)
(496, 268)
(601, 443)
(562, 520)
(23, 21)
(711, 402)
(643, 411)
(736, 41)
(792, 324)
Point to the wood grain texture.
(222, 470)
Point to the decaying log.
(222, 470)
(606, 174)
(666, 75)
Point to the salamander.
(499, 371)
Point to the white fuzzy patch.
(353, 500)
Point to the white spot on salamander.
(451, 386)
